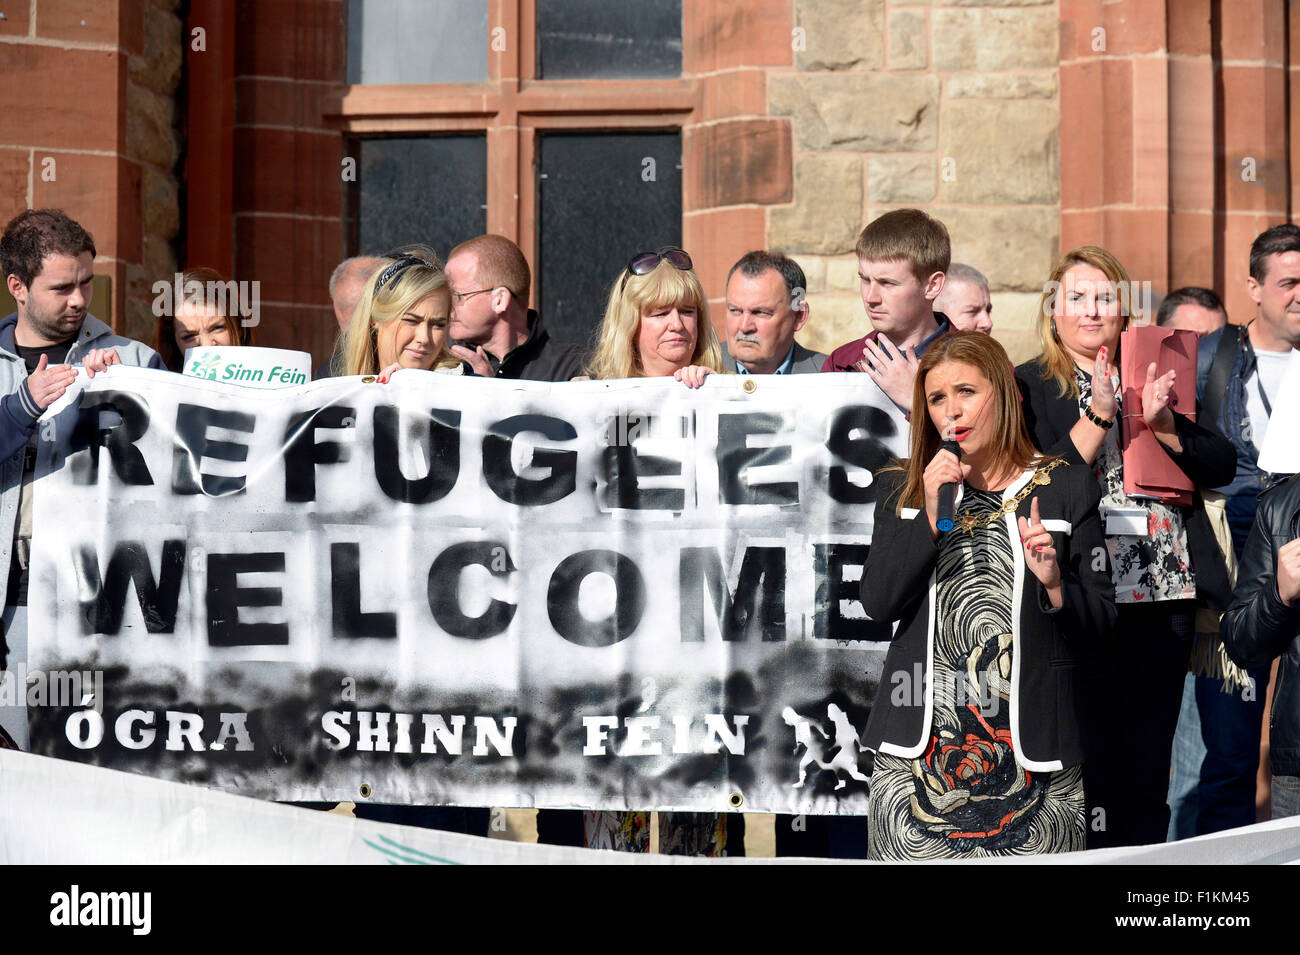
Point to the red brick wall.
(89, 100)
(736, 159)
(288, 193)
(1155, 128)
(287, 183)
(64, 103)
(1174, 136)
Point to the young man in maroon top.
(902, 258)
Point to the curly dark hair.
(32, 235)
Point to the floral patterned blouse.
(1144, 569)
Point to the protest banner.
(52, 813)
(592, 594)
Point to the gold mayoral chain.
(968, 521)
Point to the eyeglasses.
(403, 263)
(459, 297)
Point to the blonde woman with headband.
(401, 319)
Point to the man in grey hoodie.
(47, 260)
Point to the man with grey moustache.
(766, 305)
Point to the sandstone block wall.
(89, 99)
(949, 106)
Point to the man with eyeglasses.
(492, 327)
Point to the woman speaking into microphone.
(975, 726)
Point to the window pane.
(578, 39)
(417, 41)
(604, 197)
(424, 189)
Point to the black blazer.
(1208, 458)
(1049, 643)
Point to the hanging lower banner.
(53, 813)
(622, 595)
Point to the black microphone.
(947, 492)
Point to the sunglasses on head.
(643, 263)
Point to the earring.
(1054, 335)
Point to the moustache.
(753, 339)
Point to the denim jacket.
(1234, 424)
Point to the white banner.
(466, 591)
(57, 813)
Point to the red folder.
(1149, 472)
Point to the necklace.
(968, 521)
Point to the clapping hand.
(1157, 400)
(1103, 389)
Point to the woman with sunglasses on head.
(401, 319)
(657, 324)
(1162, 557)
(975, 726)
(199, 324)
